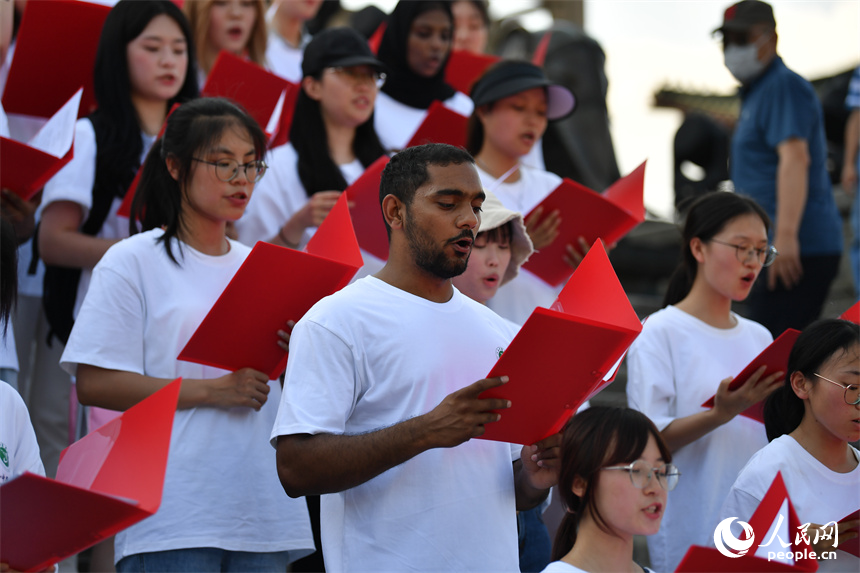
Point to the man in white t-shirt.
(381, 403)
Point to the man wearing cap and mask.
(778, 157)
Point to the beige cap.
(493, 215)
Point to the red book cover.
(261, 93)
(108, 480)
(539, 56)
(851, 546)
(852, 314)
(464, 68)
(366, 212)
(441, 125)
(775, 357)
(585, 213)
(274, 284)
(53, 58)
(563, 353)
(376, 38)
(282, 134)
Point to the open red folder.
(852, 314)
(108, 480)
(54, 56)
(775, 357)
(464, 68)
(440, 125)
(585, 213)
(366, 212)
(261, 93)
(28, 166)
(851, 546)
(765, 515)
(274, 285)
(563, 353)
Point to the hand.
(786, 268)
(5, 568)
(247, 388)
(284, 335)
(21, 213)
(462, 415)
(543, 233)
(849, 177)
(730, 403)
(317, 208)
(542, 462)
(846, 531)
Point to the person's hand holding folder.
(728, 403)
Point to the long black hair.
(783, 409)
(593, 439)
(191, 128)
(116, 121)
(8, 271)
(706, 217)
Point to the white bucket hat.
(494, 215)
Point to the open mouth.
(462, 245)
(654, 510)
(748, 279)
(239, 196)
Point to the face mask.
(743, 62)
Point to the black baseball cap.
(511, 77)
(742, 16)
(335, 47)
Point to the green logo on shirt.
(500, 351)
(4, 455)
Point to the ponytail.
(565, 537)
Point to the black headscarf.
(403, 84)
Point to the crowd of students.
(378, 408)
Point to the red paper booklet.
(53, 58)
(852, 314)
(274, 285)
(562, 354)
(851, 546)
(464, 68)
(766, 515)
(584, 213)
(775, 357)
(28, 166)
(441, 125)
(261, 93)
(366, 212)
(110, 479)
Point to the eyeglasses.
(360, 74)
(227, 169)
(743, 253)
(852, 391)
(640, 474)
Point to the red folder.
(441, 125)
(852, 545)
(282, 135)
(54, 56)
(710, 559)
(584, 213)
(539, 56)
(376, 38)
(366, 212)
(274, 285)
(562, 354)
(775, 357)
(852, 314)
(464, 68)
(110, 479)
(261, 93)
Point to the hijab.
(403, 84)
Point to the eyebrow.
(226, 151)
(458, 193)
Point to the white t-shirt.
(674, 366)
(396, 122)
(818, 494)
(518, 298)
(19, 451)
(221, 488)
(284, 60)
(74, 182)
(371, 356)
(562, 567)
(280, 194)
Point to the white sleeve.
(321, 385)
(25, 449)
(739, 504)
(74, 182)
(109, 328)
(651, 381)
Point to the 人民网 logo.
(729, 545)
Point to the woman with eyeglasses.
(332, 141)
(689, 351)
(615, 474)
(811, 420)
(222, 508)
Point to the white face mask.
(743, 62)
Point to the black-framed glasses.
(765, 256)
(359, 74)
(227, 169)
(852, 391)
(640, 474)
